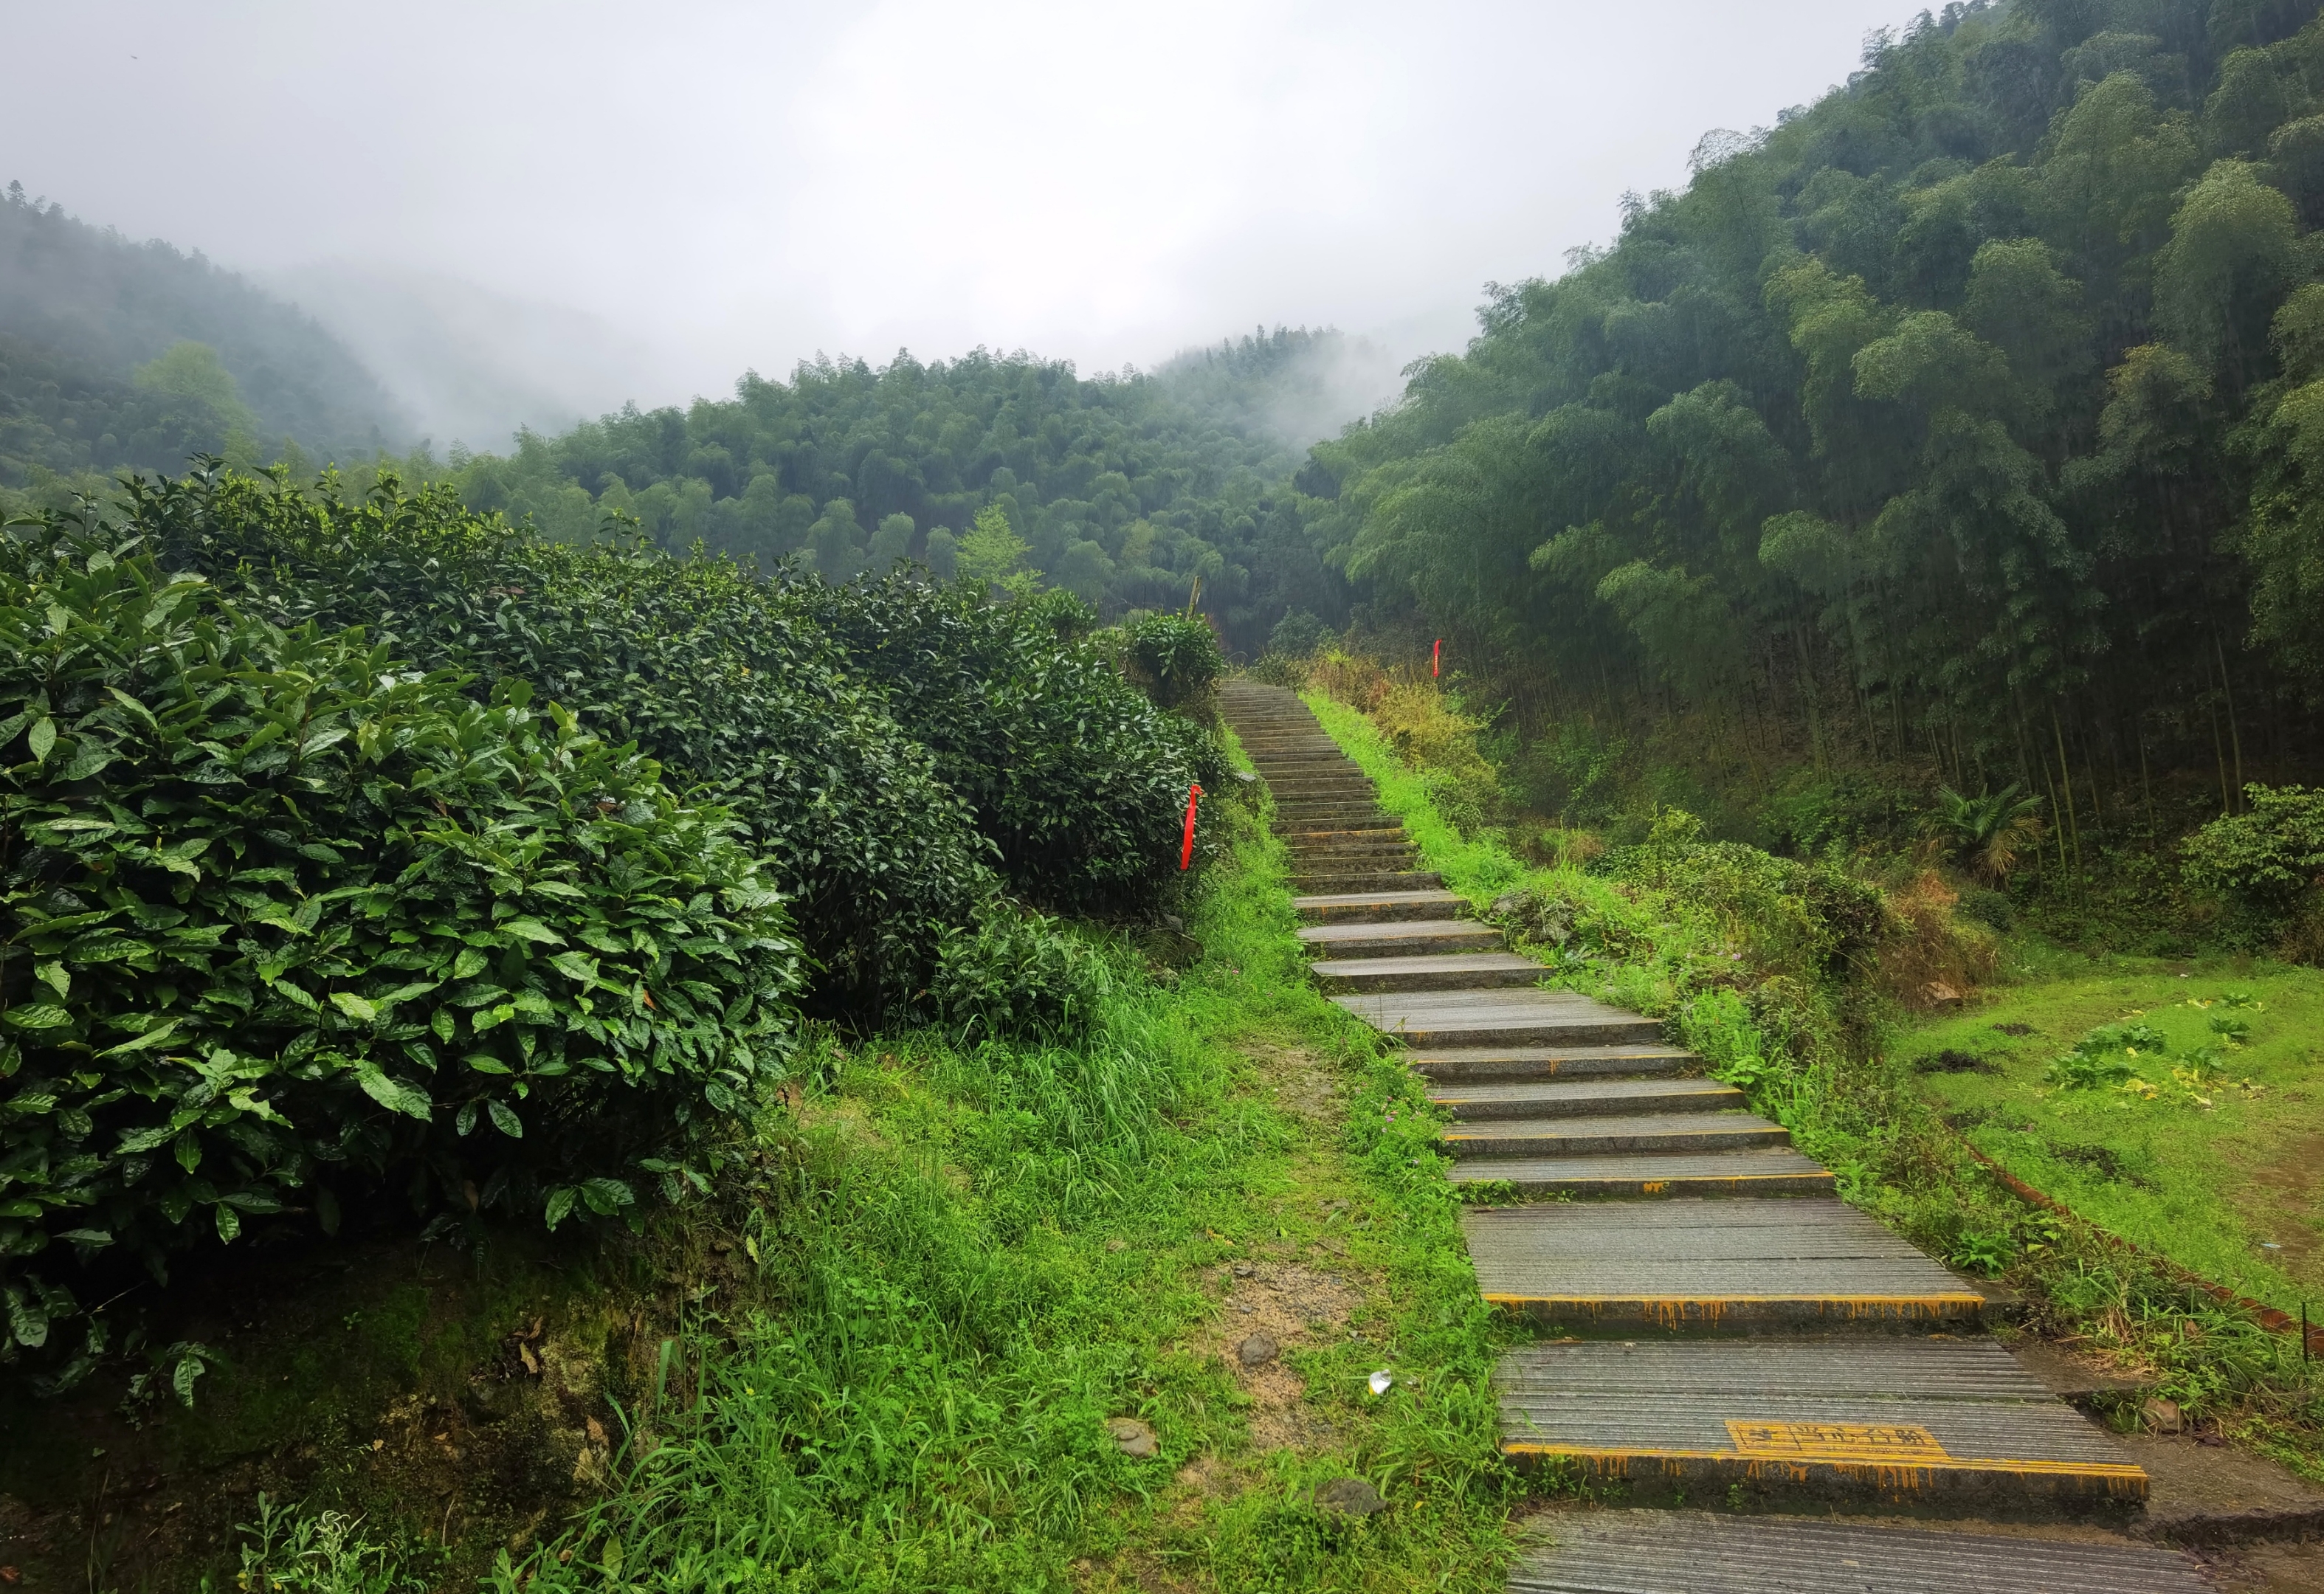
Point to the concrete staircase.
(1718, 1325)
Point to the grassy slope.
(2202, 1170)
(985, 1254)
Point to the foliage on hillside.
(1072, 774)
(285, 917)
(900, 753)
(1125, 489)
(99, 336)
(1957, 419)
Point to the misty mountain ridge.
(85, 315)
(473, 366)
(1294, 385)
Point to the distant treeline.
(1967, 416)
(1127, 488)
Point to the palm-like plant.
(1989, 831)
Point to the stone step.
(1304, 837)
(1317, 815)
(1342, 882)
(1379, 906)
(1718, 1553)
(1467, 971)
(1583, 1098)
(1431, 1021)
(1353, 855)
(1772, 1172)
(1893, 1422)
(1693, 1265)
(1400, 938)
(1608, 1134)
(1464, 1065)
(1305, 846)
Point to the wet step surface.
(1717, 1325)
(1469, 1064)
(1607, 1133)
(1399, 936)
(1379, 906)
(1583, 1097)
(1463, 972)
(1710, 1265)
(1770, 1172)
(1706, 1553)
(1872, 1420)
(1428, 1021)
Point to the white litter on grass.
(1381, 1381)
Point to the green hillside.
(115, 354)
(1963, 420)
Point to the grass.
(2202, 1147)
(973, 1259)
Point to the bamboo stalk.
(2066, 778)
(2227, 691)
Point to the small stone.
(2161, 1415)
(1244, 1270)
(1257, 1350)
(1132, 1438)
(1350, 1497)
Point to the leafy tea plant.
(283, 916)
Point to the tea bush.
(730, 681)
(2265, 862)
(1077, 780)
(282, 916)
(1174, 659)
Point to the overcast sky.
(734, 186)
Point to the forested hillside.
(1126, 488)
(1967, 418)
(115, 354)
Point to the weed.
(290, 1551)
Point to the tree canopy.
(1965, 414)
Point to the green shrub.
(1813, 921)
(1174, 659)
(2265, 862)
(1078, 780)
(1016, 974)
(283, 916)
(728, 681)
(1297, 635)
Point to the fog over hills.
(473, 365)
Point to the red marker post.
(1186, 848)
(1436, 659)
